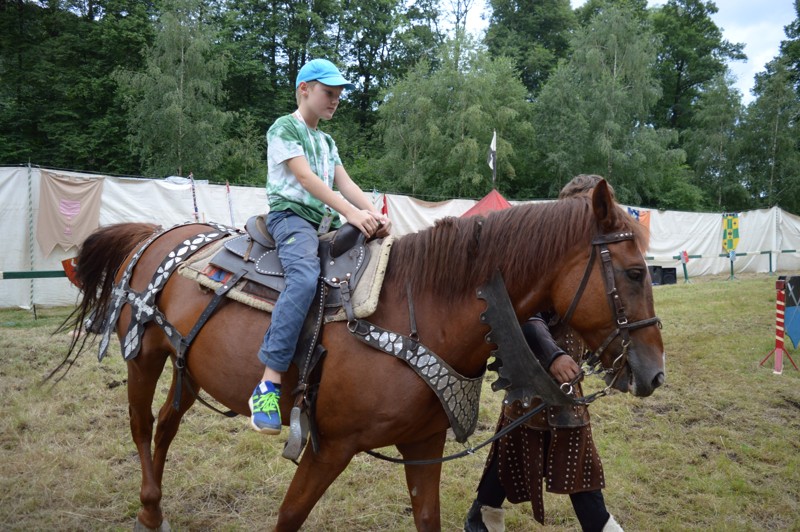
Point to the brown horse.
(367, 399)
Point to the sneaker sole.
(264, 430)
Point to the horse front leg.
(314, 475)
(423, 480)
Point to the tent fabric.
(69, 210)
(409, 215)
(493, 201)
(764, 235)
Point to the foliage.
(769, 136)
(591, 8)
(593, 113)
(711, 143)
(790, 48)
(535, 34)
(437, 124)
(57, 100)
(692, 54)
(175, 124)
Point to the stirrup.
(298, 434)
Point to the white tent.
(771, 235)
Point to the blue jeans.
(297, 243)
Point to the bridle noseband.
(623, 326)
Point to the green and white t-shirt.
(289, 137)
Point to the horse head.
(606, 295)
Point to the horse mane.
(455, 256)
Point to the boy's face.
(322, 100)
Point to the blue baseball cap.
(323, 71)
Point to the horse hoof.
(139, 527)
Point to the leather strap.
(411, 317)
(186, 341)
(584, 281)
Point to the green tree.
(692, 53)
(380, 40)
(241, 153)
(790, 48)
(769, 139)
(592, 116)
(253, 34)
(711, 143)
(591, 8)
(534, 33)
(437, 124)
(57, 102)
(176, 124)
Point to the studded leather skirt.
(565, 459)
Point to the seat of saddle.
(363, 265)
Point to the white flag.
(492, 156)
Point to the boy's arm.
(361, 218)
(351, 191)
(356, 196)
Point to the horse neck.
(445, 265)
(452, 326)
(531, 297)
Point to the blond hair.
(582, 184)
(298, 96)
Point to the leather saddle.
(342, 254)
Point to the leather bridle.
(622, 325)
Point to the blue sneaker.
(265, 414)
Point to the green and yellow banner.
(730, 232)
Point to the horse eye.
(635, 275)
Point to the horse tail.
(98, 261)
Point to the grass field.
(716, 448)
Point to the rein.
(586, 401)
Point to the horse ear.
(605, 210)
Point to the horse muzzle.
(637, 377)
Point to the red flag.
(71, 269)
(385, 207)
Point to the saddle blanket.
(364, 298)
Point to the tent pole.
(30, 235)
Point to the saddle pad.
(364, 298)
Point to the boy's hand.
(564, 369)
(384, 225)
(365, 220)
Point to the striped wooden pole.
(780, 310)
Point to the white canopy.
(764, 234)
